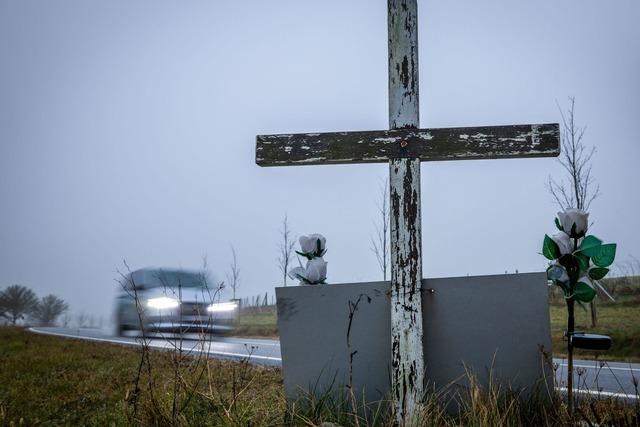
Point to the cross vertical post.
(407, 376)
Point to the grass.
(257, 322)
(621, 321)
(47, 380)
(54, 381)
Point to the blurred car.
(172, 300)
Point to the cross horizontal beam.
(490, 142)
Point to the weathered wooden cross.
(404, 146)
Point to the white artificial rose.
(309, 244)
(297, 273)
(574, 217)
(314, 273)
(564, 243)
(316, 270)
(558, 273)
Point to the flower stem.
(570, 331)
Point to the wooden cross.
(404, 146)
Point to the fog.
(127, 132)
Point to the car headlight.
(223, 306)
(163, 302)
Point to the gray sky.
(127, 131)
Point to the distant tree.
(380, 241)
(577, 188)
(48, 309)
(16, 302)
(82, 320)
(286, 249)
(233, 275)
(66, 319)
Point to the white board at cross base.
(490, 325)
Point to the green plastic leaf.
(308, 256)
(590, 246)
(550, 249)
(583, 261)
(605, 256)
(557, 221)
(598, 273)
(583, 292)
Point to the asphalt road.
(602, 378)
(261, 351)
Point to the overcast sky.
(127, 132)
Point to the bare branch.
(285, 250)
(576, 162)
(233, 275)
(380, 241)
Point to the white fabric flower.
(309, 244)
(314, 273)
(564, 243)
(316, 270)
(558, 273)
(574, 217)
(297, 273)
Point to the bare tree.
(285, 249)
(82, 320)
(380, 241)
(233, 275)
(66, 319)
(577, 189)
(16, 302)
(48, 309)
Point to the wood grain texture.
(402, 27)
(405, 237)
(485, 142)
(407, 360)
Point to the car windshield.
(171, 279)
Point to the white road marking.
(135, 343)
(256, 341)
(84, 337)
(605, 367)
(600, 393)
(238, 355)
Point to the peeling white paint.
(425, 136)
(481, 136)
(313, 160)
(387, 140)
(407, 357)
